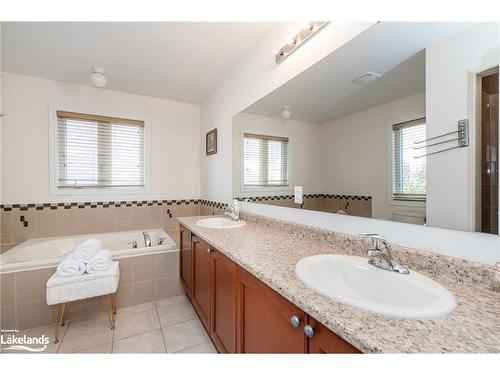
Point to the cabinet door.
(324, 341)
(201, 280)
(223, 300)
(186, 266)
(264, 319)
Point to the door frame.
(475, 136)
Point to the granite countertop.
(270, 252)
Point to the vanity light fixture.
(285, 112)
(98, 78)
(292, 43)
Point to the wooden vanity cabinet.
(241, 313)
(223, 302)
(264, 319)
(201, 279)
(185, 260)
(324, 341)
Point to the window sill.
(408, 203)
(267, 189)
(98, 191)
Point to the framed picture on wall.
(211, 142)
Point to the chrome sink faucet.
(147, 239)
(233, 211)
(381, 256)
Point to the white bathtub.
(48, 252)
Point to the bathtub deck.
(164, 326)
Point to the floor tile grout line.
(161, 329)
(63, 336)
(190, 347)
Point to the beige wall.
(356, 153)
(61, 221)
(174, 138)
(304, 143)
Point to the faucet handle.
(374, 236)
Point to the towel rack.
(462, 138)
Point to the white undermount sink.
(352, 281)
(219, 223)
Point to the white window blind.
(98, 151)
(265, 160)
(408, 172)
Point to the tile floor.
(165, 326)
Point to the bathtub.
(48, 252)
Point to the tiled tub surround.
(142, 279)
(355, 205)
(20, 222)
(270, 248)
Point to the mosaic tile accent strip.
(214, 204)
(285, 197)
(68, 205)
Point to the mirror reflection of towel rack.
(462, 138)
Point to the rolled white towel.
(70, 266)
(88, 249)
(101, 262)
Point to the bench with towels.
(87, 272)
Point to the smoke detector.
(365, 78)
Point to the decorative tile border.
(214, 204)
(68, 205)
(285, 197)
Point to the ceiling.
(326, 92)
(174, 60)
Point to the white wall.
(254, 77)
(174, 138)
(356, 153)
(449, 66)
(304, 152)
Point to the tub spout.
(147, 239)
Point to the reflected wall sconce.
(293, 43)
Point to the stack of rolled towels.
(89, 257)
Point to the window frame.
(55, 190)
(390, 192)
(265, 188)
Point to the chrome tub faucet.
(380, 255)
(147, 239)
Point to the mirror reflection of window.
(265, 160)
(408, 163)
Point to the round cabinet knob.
(309, 331)
(295, 320)
(209, 250)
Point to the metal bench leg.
(113, 303)
(61, 309)
(110, 315)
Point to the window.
(265, 160)
(408, 164)
(98, 151)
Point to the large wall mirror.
(400, 123)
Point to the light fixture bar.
(299, 39)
